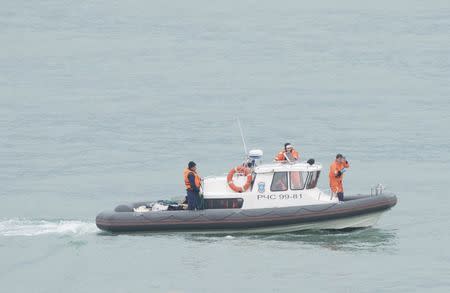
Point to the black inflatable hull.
(357, 211)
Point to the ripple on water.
(370, 239)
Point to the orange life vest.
(281, 155)
(336, 182)
(187, 171)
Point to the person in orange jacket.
(336, 175)
(193, 183)
(288, 154)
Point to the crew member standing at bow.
(337, 169)
(193, 182)
(288, 154)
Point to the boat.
(256, 198)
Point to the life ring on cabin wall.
(240, 170)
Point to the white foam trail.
(15, 227)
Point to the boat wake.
(20, 227)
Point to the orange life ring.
(241, 170)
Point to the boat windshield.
(298, 179)
(279, 182)
(314, 177)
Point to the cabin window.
(279, 181)
(223, 203)
(313, 178)
(298, 180)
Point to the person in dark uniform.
(193, 183)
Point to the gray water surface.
(103, 102)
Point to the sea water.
(104, 102)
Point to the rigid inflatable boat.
(270, 198)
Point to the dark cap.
(191, 164)
(339, 156)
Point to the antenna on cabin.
(252, 157)
(242, 135)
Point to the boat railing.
(377, 189)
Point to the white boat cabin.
(272, 185)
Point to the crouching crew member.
(288, 154)
(193, 182)
(336, 175)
